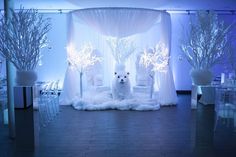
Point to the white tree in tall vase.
(21, 39)
(204, 44)
(158, 59)
(81, 60)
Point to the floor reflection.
(210, 141)
(169, 132)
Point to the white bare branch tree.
(81, 60)
(121, 48)
(206, 41)
(22, 37)
(158, 59)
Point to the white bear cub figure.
(121, 86)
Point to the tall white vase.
(201, 76)
(26, 78)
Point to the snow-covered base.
(104, 101)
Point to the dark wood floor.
(170, 132)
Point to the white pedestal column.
(9, 4)
(24, 114)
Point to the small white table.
(207, 92)
(208, 95)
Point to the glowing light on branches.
(158, 58)
(83, 58)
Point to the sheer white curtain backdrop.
(164, 81)
(143, 27)
(118, 22)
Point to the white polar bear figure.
(121, 86)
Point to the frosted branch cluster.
(121, 48)
(206, 41)
(158, 58)
(83, 58)
(22, 37)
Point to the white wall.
(180, 67)
(54, 60)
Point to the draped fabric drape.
(165, 82)
(142, 27)
(120, 22)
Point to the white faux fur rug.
(104, 101)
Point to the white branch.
(206, 41)
(82, 59)
(121, 48)
(22, 37)
(158, 59)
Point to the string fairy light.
(158, 59)
(81, 60)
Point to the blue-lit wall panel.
(54, 60)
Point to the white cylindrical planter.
(201, 76)
(25, 78)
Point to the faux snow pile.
(103, 101)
